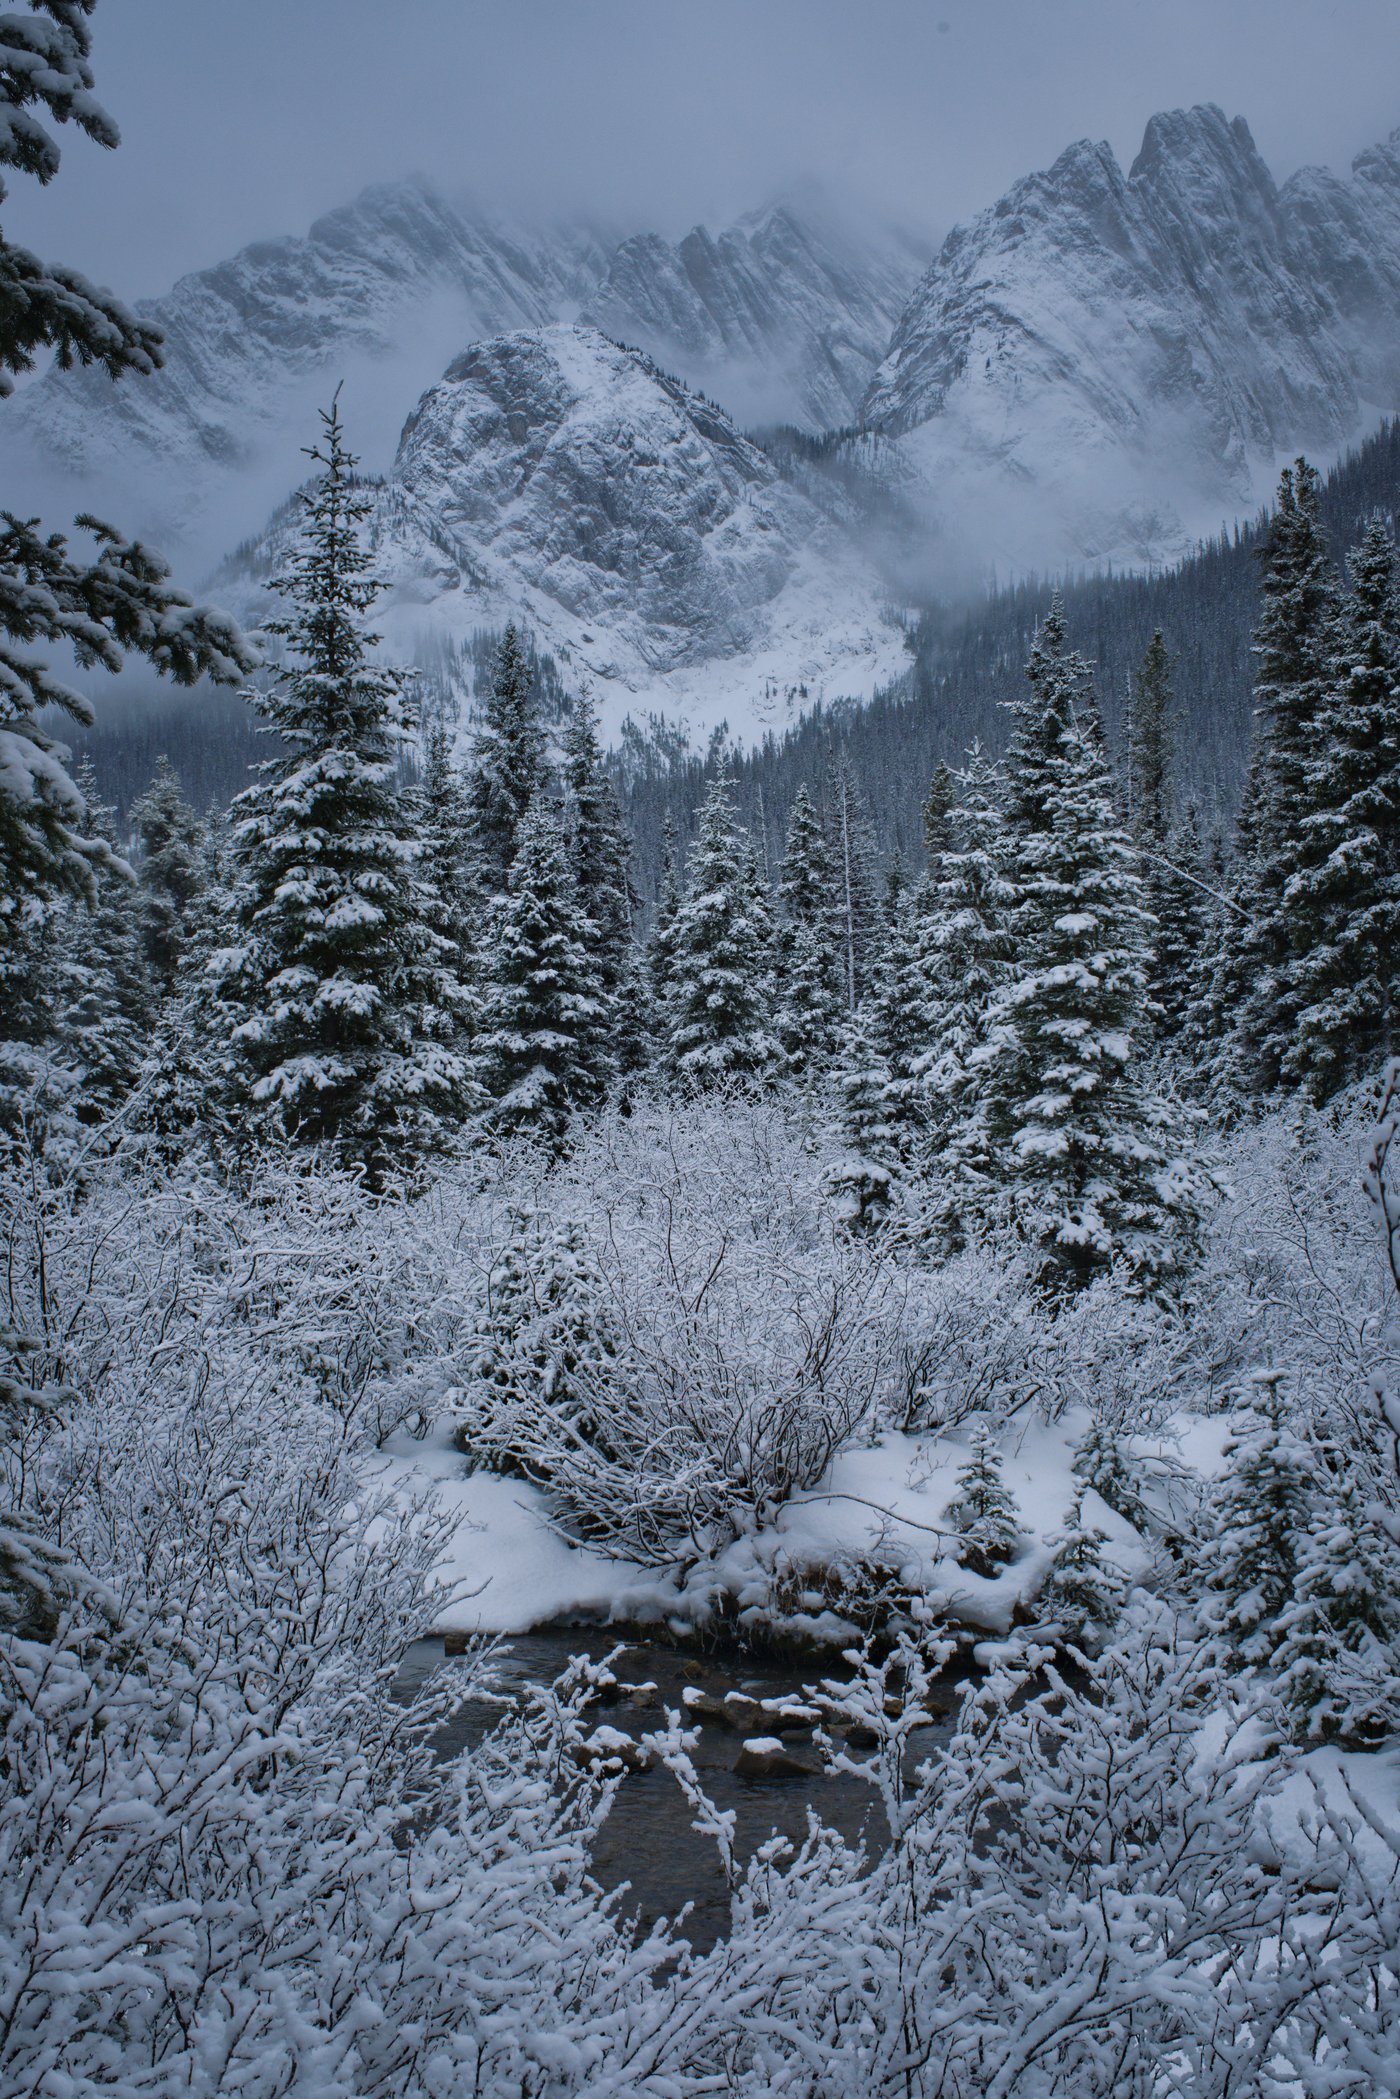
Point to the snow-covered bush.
(740, 1336)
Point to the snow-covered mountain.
(554, 476)
(782, 317)
(1105, 365)
(380, 294)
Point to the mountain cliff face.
(552, 475)
(382, 293)
(781, 321)
(1105, 365)
(378, 294)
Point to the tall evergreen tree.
(661, 948)
(811, 986)
(1343, 903)
(1338, 1633)
(350, 1005)
(106, 997)
(1294, 645)
(507, 765)
(1184, 941)
(601, 859)
(97, 607)
(1150, 748)
(857, 905)
(170, 837)
(862, 1180)
(1261, 1509)
(721, 989)
(1078, 1147)
(964, 945)
(541, 1007)
(447, 859)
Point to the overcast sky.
(245, 118)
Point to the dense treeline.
(966, 666)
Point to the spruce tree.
(811, 990)
(507, 765)
(96, 606)
(857, 907)
(1261, 1508)
(1082, 1592)
(540, 1009)
(601, 860)
(1183, 941)
(862, 1180)
(447, 862)
(963, 947)
(106, 1000)
(983, 1512)
(1149, 749)
(1078, 1149)
(661, 948)
(1294, 644)
(1336, 1649)
(720, 983)
(1343, 904)
(349, 1002)
(170, 837)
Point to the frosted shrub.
(739, 1336)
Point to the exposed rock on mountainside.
(1105, 364)
(651, 547)
(380, 293)
(781, 321)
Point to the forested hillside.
(967, 661)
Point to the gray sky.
(244, 118)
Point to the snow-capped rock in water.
(780, 316)
(379, 294)
(1105, 365)
(553, 476)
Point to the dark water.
(648, 1841)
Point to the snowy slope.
(1105, 365)
(782, 317)
(554, 476)
(378, 294)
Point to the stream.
(647, 1841)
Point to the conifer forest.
(699, 1085)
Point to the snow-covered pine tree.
(541, 1009)
(857, 905)
(1338, 1636)
(106, 997)
(1294, 643)
(1261, 1508)
(1078, 1149)
(507, 766)
(983, 1512)
(1185, 910)
(170, 837)
(811, 982)
(350, 1007)
(861, 1181)
(99, 609)
(1150, 748)
(963, 946)
(189, 1095)
(1343, 905)
(1082, 1592)
(447, 863)
(1100, 1462)
(601, 860)
(721, 994)
(661, 948)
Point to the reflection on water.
(647, 1840)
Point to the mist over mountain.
(1098, 369)
(1103, 366)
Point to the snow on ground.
(882, 1505)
